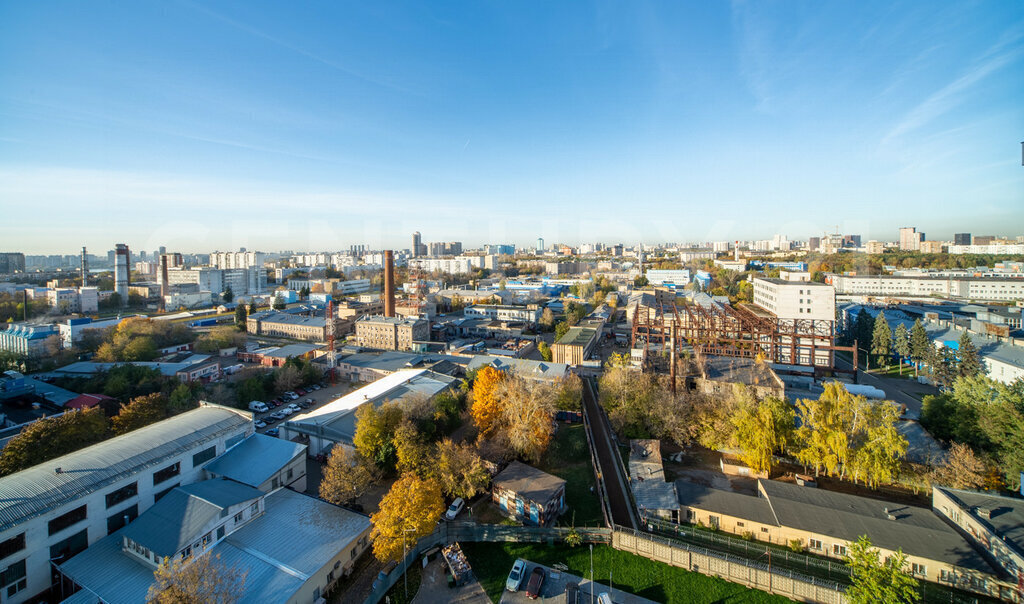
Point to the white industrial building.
(69, 299)
(529, 314)
(51, 512)
(793, 296)
(237, 259)
(675, 277)
(992, 248)
(980, 288)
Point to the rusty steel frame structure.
(737, 331)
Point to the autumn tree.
(568, 393)
(486, 407)
(877, 443)
(412, 452)
(823, 439)
(460, 470)
(52, 437)
(876, 580)
(374, 437)
(196, 580)
(346, 476)
(408, 512)
(762, 427)
(544, 350)
(547, 319)
(287, 378)
(560, 329)
(527, 411)
(140, 411)
(962, 469)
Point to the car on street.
(273, 432)
(304, 404)
(536, 582)
(454, 509)
(260, 424)
(515, 578)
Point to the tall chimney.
(389, 283)
(122, 272)
(164, 287)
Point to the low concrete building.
(371, 366)
(653, 495)
(544, 371)
(529, 314)
(287, 325)
(575, 346)
(32, 341)
(391, 333)
(528, 494)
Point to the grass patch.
(656, 581)
(396, 595)
(568, 457)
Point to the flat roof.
(256, 459)
(1006, 514)
(36, 490)
(577, 336)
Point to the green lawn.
(638, 575)
(568, 457)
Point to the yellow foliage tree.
(487, 406)
(407, 512)
(347, 475)
(413, 452)
(460, 469)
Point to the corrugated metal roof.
(739, 505)
(278, 551)
(523, 367)
(254, 460)
(1006, 514)
(31, 492)
(180, 517)
(528, 482)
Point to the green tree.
(228, 295)
(251, 389)
(279, 303)
(374, 437)
(920, 345)
(875, 580)
(640, 281)
(901, 344)
(183, 398)
(253, 309)
(970, 362)
(943, 365)
(52, 437)
(878, 446)
(141, 411)
(762, 427)
(241, 315)
(544, 350)
(881, 338)
(863, 328)
(560, 329)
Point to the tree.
(762, 427)
(241, 316)
(876, 580)
(901, 344)
(346, 476)
(192, 581)
(412, 452)
(863, 328)
(920, 345)
(970, 362)
(544, 350)
(279, 303)
(569, 393)
(286, 378)
(881, 338)
(963, 469)
(640, 281)
(408, 512)
(228, 295)
(304, 292)
(527, 410)
(374, 437)
(629, 397)
(52, 437)
(140, 411)
(460, 470)
(944, 366)
(253, 309)
(560, 329)
(825, 426)
(486, 406)
(878, 445)
(547, 319)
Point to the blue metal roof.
(256, 459)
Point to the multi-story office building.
(989, 248)
(391, 333)
(874, 247)
(962, 239)
(61, 507)
(792, 297)
(242, 281)
(68, 299)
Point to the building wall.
(322, 580)
(973, 288)
(38, 541)
(547, 510)
(1009, 560)
(796, 300)
(389, 335)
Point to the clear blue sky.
(317, 125)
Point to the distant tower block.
(85, 269)
(122, 273)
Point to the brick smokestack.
(389, 283)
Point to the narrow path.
(607, 458)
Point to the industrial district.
(778, 417)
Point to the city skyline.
(269, 128)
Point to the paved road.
(607, 458)
(895, 388)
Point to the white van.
(258, 406)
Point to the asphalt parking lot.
(554, 589)
(324, 395)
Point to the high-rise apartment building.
(240, 259)
(11, 262)
(962, 239)
(910, 239)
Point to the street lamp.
(591, 573)
(405, 561)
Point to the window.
(740, 524)
(276, 483)
(64, 550)
(764, 529)
(65, 520)
(204, 456)
(289, 474)
(838, 550)
(12, 546)
(160, 495)
(254, 509)
(945, 575)
(918, 569)
(353, 553)
(122, 518)
(13, 578)
(220, 532)
(167, 473)
(238, 517)
(814, 544)
(125, 492)
(234, 440)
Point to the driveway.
(554, 589)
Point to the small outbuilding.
(528, 494)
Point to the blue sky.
(318, 125)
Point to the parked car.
(294, 397)
(258, 406)
(315, 386)
(275, 403)
(286, 411)
(294, 408)
(303, 404)
(535, 583)
(273, 432)
(454, 509)
(572, 593)
(279, 415)
(261, 424)
(515, 578)
(300, 392)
